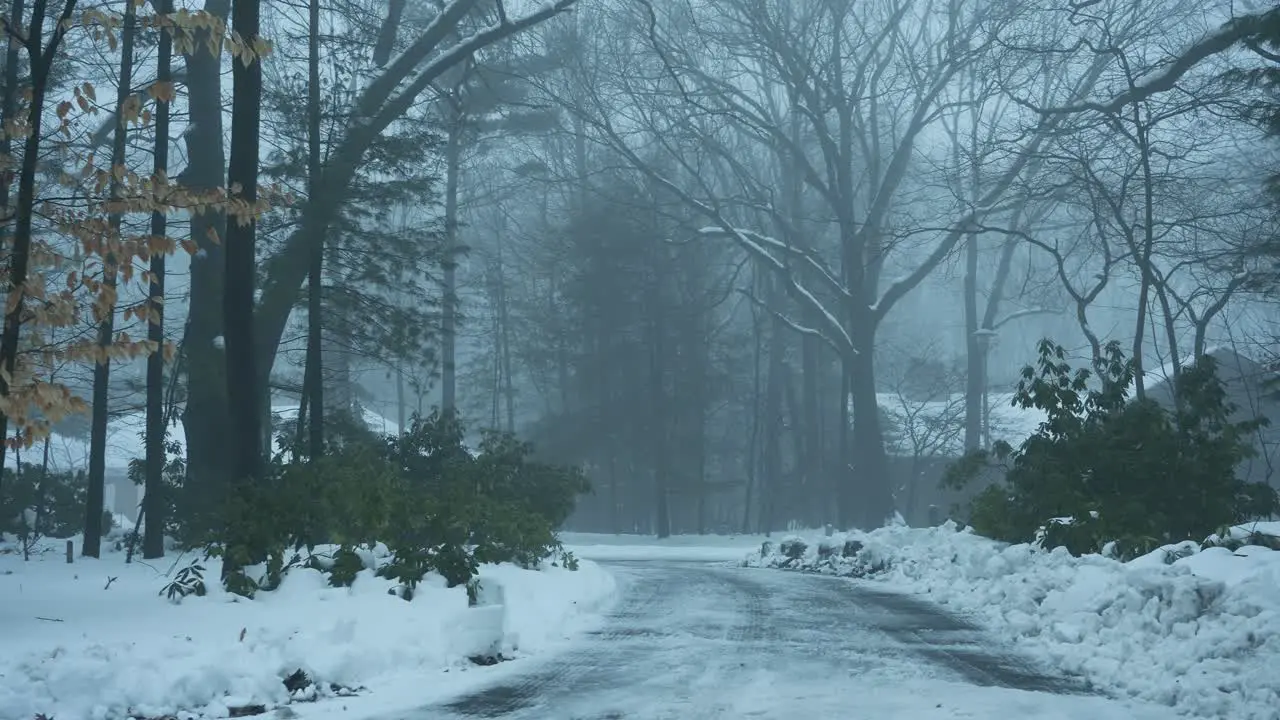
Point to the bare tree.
(861, 121)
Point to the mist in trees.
(741, 265)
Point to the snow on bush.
(1198, 630)
(96, 640)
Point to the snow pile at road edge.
(83, 646)
(1196, 630)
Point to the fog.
(750, 263)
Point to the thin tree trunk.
(699, 428)
(495, 388)
(1143, 256)
(7, 112)
(504, 325)
(39, 499)
(304, 407)
(313, 373)
(772, 451)
(975, 343)
(400, 403)
(658, 428)
(810, 446)
(801, 495)
(92, 541)
(845, 474)
(20, 253)
(449, 309)
(152, 508)
(975, 370)
(753, 442)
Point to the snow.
(95, 640)
(125, 440)
(938, 425)
(910, 698)
(603, 547)
(1196, 630)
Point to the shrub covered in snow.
(793, 548)
(1105, 470)
(1193, 625)
(94, 639)
(439, 506)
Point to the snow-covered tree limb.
(1235, 32)
(797, 327)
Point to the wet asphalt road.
(699, 642)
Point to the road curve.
(698, 642)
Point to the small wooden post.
(71, 552)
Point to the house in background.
(1255, 391)
(924, 438)
(68, 453)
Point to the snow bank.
(1197, 630)
(679, 548)
(94, 640)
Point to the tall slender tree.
(8, 111)
(41, 53)
(237, 302)
(313, 381)
(92, 543)
(153, 508)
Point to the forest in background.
(742, 264)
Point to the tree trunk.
(811, 438)
(800, 494)
(449, 308)
(975, 366)
(286, 271)
(504, 321)
(771, 464)
(400, 404)
(1143, 256)
(845, 476)
(205, 418)
(7, 112)
(872, 494)
(658, 428)
(238, 294)
(92, 541)
(698, 428)
(20, 252)
(152, 507)
(313, 374)
(753, 443)
(41, 486)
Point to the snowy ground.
(94, 640)
(1195, 630)
(691, 642)
(603, 547)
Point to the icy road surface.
(693, 641)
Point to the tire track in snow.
(681, 638)
(645, 597)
